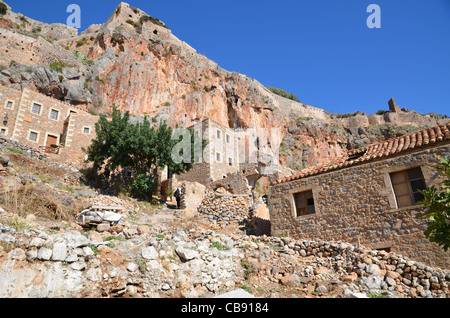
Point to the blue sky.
(321, 50)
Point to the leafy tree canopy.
(140, 147)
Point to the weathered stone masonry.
(357, 204)
(40, 121)
(220, 156)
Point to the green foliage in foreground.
(438, 202)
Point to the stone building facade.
(368, 197)
(56, 128)
(220, 156)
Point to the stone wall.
(357, 205)
(226, 208)
(200, 172)
(31, 51)
(192, 194)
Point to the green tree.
(107, 149)
(140, 147)
(438, 207)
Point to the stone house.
(220, 156)
(368, 196)
(59, 129)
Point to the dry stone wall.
(225, 208)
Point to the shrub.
(219, 246)
(3, 8)
(283, 93)
(97, 78)
(57, 66)
(82, 42)
(37, 29)
(94, 248)
(83, 57)
(116, 38)
(142, 187)
(437, 201)
(146, 18)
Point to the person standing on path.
(177, 196)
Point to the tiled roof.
(384, 149)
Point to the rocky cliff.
(134, 62)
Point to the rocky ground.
(158, 251)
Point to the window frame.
(409, 188)
(218, 157)
(7, 102)
(50, 114)
(33, 132)
(295, 208)
(40, 108)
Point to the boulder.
(149, 253)
(186, 254)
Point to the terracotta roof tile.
(374, 151)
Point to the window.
(33, 136)
(219, 134)
(9, 104)
(406, 186)
(86, 130)
(230, 161)
(228, 138)
(36, 109)
(218, 157)
(304, 203)
(54, 114)
(3, 132)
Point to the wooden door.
(51, 140)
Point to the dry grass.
(23, 164)
(41, 201)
